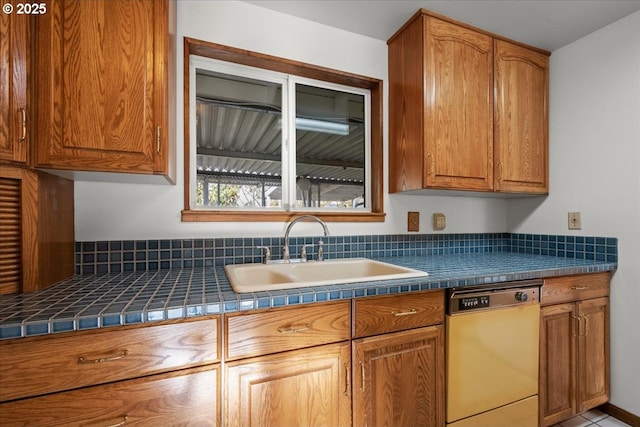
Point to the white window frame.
(288, 152)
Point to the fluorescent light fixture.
(322, 126)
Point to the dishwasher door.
(492, 365)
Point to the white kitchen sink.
(269, 277)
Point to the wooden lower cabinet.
(182, 398)
(574, 356)
(593, 354)
(399, 379)
(309, 387)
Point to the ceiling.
(546, 24)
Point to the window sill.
(189, 215)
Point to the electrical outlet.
(413, 221)
(439, 221)
(575, 222)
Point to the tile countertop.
(95, 301)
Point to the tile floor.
(593, 418)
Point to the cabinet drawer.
(284, 329)
(557, 290)
(187, 397)
(379, 315)
(34, 366)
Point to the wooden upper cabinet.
(102, 85)
(458, 107)
(521, 126)
(446, 130)
(14, 87)
(440, 107)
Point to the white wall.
(594, 151)
(111, 211)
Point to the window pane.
(239, 141)
(330, 148)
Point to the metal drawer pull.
(579, 288)
(83, 361)
(362, 376)
(24, 125)
(405, 312)
(294, 329)
(121, 423)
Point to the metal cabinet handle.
(586, 324)
(83, 361)
(294, 329)
(346, 379)
(404, 312)
(362, 377)
(432, 164)
(579, 288)
(303, 252)
(121, 423)
(579, 323)
(267, 254)
(23, 137)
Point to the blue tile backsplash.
(131, 282)
(152, 255)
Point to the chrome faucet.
(286, 256)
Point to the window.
(267, 138)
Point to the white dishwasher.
(492, 355)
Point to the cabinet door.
(399, 379)
(459, 107)
(184, 398)
(521, 119)
(101, 76)
(558, 331)
(593, 351)
(296, 388)
(14, 63)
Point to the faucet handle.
(320, 249)
(303, 252)
(267, 254)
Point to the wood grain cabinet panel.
(182, 398)
(521, 123)
(39, 365)
(36, 229)
(309, 387)
(103, 88)
(575, 288)
(593, 354)
(557, 363)
(574, 347)
(282, 329)
(15, 108)
(379, 315)
(459, 115)
(399, 379)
